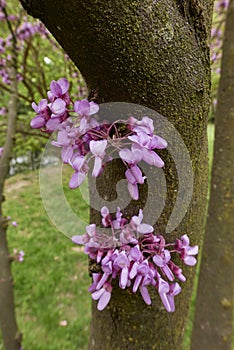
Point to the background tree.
(217, 33)
(156, 54)
(39, 60)
(213, 326)
(23, 78)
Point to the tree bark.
(11, 336)
(156, 54)
(213, 326)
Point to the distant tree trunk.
(10, 333)
(213, 326)
(153, 53)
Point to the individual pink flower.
(122, 263)
(1, 151)
(97, 148)
(58, 108)
(59, 89)
(85, 108)
(186, 251)
(21, 256)
(81, 168)
(3, 111)
(43, 114)
(140, 228)
(103, 296)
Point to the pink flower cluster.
(18, 255)
(128, 251)
(138, 258)
(82, 138)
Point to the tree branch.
(11, 337)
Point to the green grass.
(210, 133)
(51, 284)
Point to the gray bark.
(153, 53)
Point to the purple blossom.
(138, 226)
(142, 271)
(59, 90)
(97, 148)
(67, 144)
(121, 264)
(58, 108)
(14, 223)
(167, 293)
(2, 3)
(81, 168)
(21, 256)
(26, 30)
(145, 294)
(145, 125)
(148, 155)
(80, 136)
(1, 151)
(134, 255)
(127, 250)
(43, 114)
(134, 177)
(85, 108)
(186, 251)
(162, 261)
(103, 296)
(18, 256)
(131, 156)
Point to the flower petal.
(133, 191)
(158, 142)
(58, 107)
(82, 107)
(78, 163)
(64, 85)
(98, 147)
(123, 278)
(53, 124)
(76, 180)
(94, 108)
(37, 122)
(136, 171)
(97, 166)
(55, 88)
(152, 158)
(97, 294)
(104, 300)
(145, 295)
(126, 154)
(144, 228)
(78, 239)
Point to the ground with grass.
(52, 303)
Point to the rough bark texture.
(10, 334)
(213, 327)
(154, 53)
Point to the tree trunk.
(156, 54)
(213, 327)
(10, 334)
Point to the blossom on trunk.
(135, 255)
